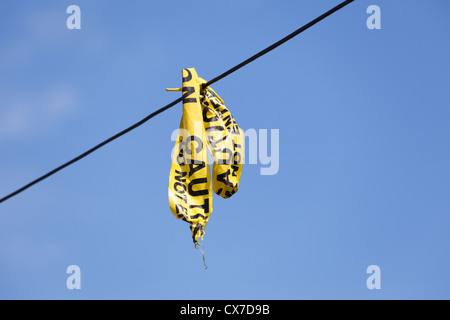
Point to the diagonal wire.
(214, 80)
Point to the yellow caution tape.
(225, 141)
(206, 123)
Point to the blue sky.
(363, 118)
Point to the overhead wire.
(173, 103)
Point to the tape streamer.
(206, 124)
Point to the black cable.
(137, 124)
(279, 43)
(223, 75)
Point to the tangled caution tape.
(206, 123)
